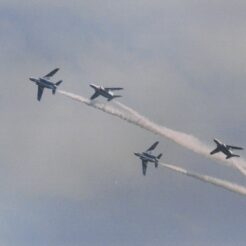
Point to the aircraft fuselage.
(147, 157)
(223, 148)
(44, 83)
(101, 90)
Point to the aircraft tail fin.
(232, 155)
(114, 97)
(158, 158)
(58, 83)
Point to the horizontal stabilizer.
(58, 83)
(159, 156)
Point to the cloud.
(182, 63)
(155, 50)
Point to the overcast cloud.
(68, 173)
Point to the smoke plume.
(215, 181)
(186, 140)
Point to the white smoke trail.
(239, 164)
(186, 140)
(215, 181)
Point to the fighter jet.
(226, 149)
(147, 156)
(44, 82)
(104, 91)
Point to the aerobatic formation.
(126, 113)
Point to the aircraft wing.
(215, 151)
(152, 147)
(144, 167)
(50, 74)
(113, 88)
(40, 92)
(234, 147)
(95, 95)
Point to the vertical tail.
(158, 158)
(56, 84)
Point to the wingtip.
(92, 86)
(217, 141)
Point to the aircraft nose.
(32, 79)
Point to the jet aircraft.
(226, 149)
(44, 82)
(147, 156)
(104, 91)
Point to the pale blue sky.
(68, 174)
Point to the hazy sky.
(68, 174)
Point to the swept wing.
(215, 151)
(40, 92)
(144, 167)
(234, 147)
(152, 147)
(52, 73)
(95, 95)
